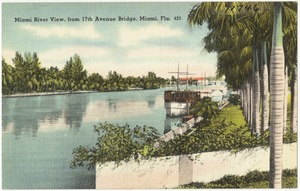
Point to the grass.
(253, 179)
(231, 113)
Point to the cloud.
(161, 52)
(130, 36)
(58, 57)
(78, 31)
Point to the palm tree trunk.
(285, 130)
(294, 101)
(256, 93)
(249, 103)
(240, 92)
(245, 108)
(277, 98)
(265, 88)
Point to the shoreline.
(62, 93)
(46, 94)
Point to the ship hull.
(176, 109)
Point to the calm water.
(39, 133)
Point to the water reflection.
(112, 105)
(25, 116)
(29, 112)
(74, 110)
(171, 123)
(151, 104)
(29, 115)
(120, 105)
(61, 119)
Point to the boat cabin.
(181, 96)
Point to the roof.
(193, 78)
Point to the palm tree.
(265, 87)
(294, 104)
(222, 28)
(231, 37)
(290, 48)
(277, 93)
(256, 93)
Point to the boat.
(178, 102)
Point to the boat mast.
(177, 87)
(182, 73)
(187, 78)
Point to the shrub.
(234, 99)
(205, 108)
(116, 143)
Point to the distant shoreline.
(60, 93)
(46, 94)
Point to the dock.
(181, 129)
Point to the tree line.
(257, 52)
(26, 75)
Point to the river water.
(39, 133)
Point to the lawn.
(231, 113)
(253, 179)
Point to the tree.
(239, 31)
(151, 81)
(290, 49)
(277, 93)
(95, 82)
(54, 78)
(205, 108)
(27, 69)
(7, 78)
(74, 75)
(232, 38)
(259, 30)
(265, 88)
(116, 143)
(256, 93)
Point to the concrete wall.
(214, 165)
(156, 173)
(170, 172)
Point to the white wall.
(170, 172)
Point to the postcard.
(149, 95)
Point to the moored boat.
(178, 102)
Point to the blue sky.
(130, 48)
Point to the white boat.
(178, 102)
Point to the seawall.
(170, 172)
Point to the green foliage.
(7, 78)
(151, 81)
(122, 143)
(228, 131)
(253, 179)
(234, 99)
(27, 76)
(290, 137)
(205, 108)
(116, 143)
(74, 73)
(213, 138)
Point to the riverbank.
(46, 94)
(62, 93)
